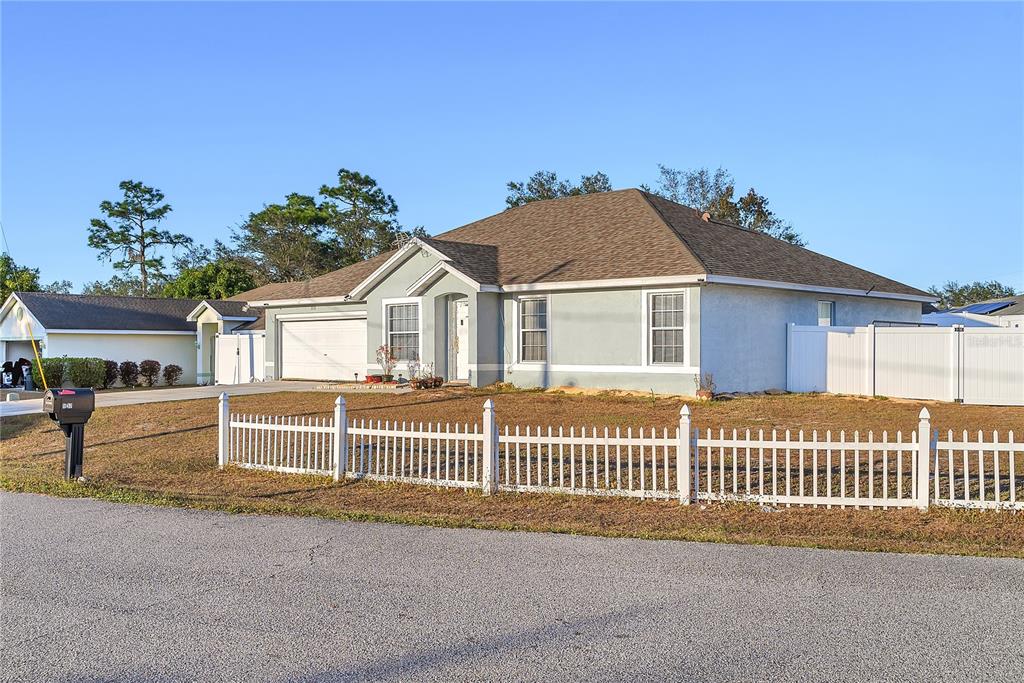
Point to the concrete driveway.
(122, 398)
(96, 591)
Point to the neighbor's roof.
(259, 323)
(85, 312)
(624, 234)
(231, 309)
(1016, 306)
(1007, 305)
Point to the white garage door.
(323, 349)
(20, 349)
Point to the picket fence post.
(340, 450)
(683, 455)
(924, 442)
(223, 431)
(490, 476)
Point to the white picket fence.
(817, 469)
(794, 470)
(436, 454)
(590, 462)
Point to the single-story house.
(1003, 312)
(620, 289)
(120, 328)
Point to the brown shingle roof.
(602, 236)
(336, 283)
(479, 261)
(730, 250)
(611, 235)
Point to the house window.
(666, 328)
(403, 326)
(533, 330)
(826, 313)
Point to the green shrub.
(54, 370)
(86, 372)
(128, 371)
(110, 373)
(172, 373)
(150, 370)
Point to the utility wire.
(3, 234)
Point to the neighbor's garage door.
(323, 349)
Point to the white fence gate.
(970, 365)
(239, 358)
(817, 469)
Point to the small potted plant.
(428, 379)
(415, 368)
(387, 361)
(705, 386)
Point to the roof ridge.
(672, 229)
(438, 239)
(105, 296)
(534, 203)
(729, 224)
(566, 197)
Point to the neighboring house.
(1004, 312)
(614, 290)
(118, 328)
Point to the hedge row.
(102, 374)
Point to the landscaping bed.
(165, 453)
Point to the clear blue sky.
(889, 134)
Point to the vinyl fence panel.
(820, 469)
(992, 366)
(829, 359)
(979, 470)
(973, 365)
(239, 358)
(848, 360)
(915, 362)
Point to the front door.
(462, 340)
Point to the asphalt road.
(95, 591)
(123, 398)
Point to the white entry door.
(323, 349)
(462, 340)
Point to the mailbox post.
(71, 409)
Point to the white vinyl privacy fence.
(819, 468)
(969, 365)
(239, 358)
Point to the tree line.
(349, 221)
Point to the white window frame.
(385, 332)
(517, 312)
(645, 327)
(832, 312)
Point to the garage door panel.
(323, 349)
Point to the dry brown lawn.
(165, 453)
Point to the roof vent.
(705, 216)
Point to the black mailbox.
(71, 409)
(69, 406)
